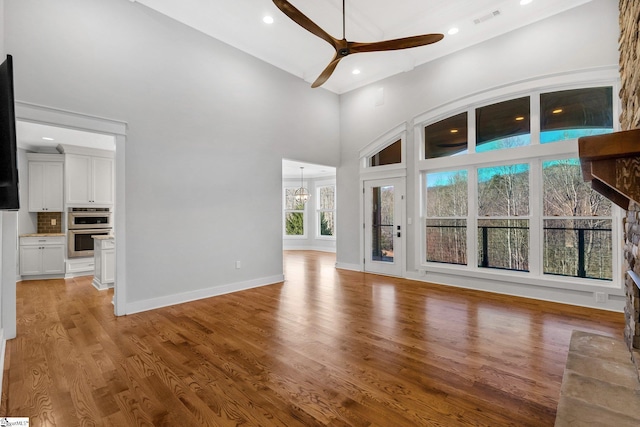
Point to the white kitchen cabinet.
(41, 255)
(45, 182)
(105, 262)
(89, 180)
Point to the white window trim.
(379, 144)
(319, 185)
(604, 76)
(305, 215)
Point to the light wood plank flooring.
(327, 347)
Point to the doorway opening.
(84, 132)
(308, 224)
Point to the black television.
(9, 192)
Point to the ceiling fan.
(343, 47)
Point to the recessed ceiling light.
(525, 2)
(355, 71)
(453, 30)
(46, 138)
(268, 19)
(557, 111)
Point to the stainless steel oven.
(80, 242)
(83, 224)
(79, 218)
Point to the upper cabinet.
(88, 176)
(45, 182)
(89, 180)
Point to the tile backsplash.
(45, 220)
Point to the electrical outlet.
(237, 264)
(601, 297)
(54, 221)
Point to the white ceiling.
(291, 170)
(288, 46)
(31, 137)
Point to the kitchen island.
(105, 262)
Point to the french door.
(383, 226)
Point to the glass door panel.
(382, 223)
(383, 226)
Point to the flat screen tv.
(9, 192)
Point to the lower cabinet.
(40, 256)
(105, 261)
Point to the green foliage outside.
(325, 228)
(295, 224)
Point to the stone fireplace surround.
(630, 119)
(601, 385)
(612, 163)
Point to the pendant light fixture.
(302, 194)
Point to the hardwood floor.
(327, 347)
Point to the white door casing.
(384, 226)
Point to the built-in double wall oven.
(83, 224)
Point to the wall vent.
(486, 17)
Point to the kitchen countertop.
(102, 237)
(43, 235)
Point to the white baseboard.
(345, 266)
(153, 303)
(578, 297)
(310, 248)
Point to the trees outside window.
(293, 214)
(326, 210)
(446, 224)
(577, 224)
(503, 208)
(531, 211)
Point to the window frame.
(319, 186)
(384, 141)
(613, 217)
(477, 217)
(305, 216)
(454, 217)
(534, 154)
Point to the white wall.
(208, 127)
(580, 39)
(27, 221)
(8, 248)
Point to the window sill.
(526, 278)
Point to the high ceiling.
(288, 46)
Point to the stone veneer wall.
(632, 262)
(629, 47)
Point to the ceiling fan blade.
(306, 23)
(395, 44)
(326, 73)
